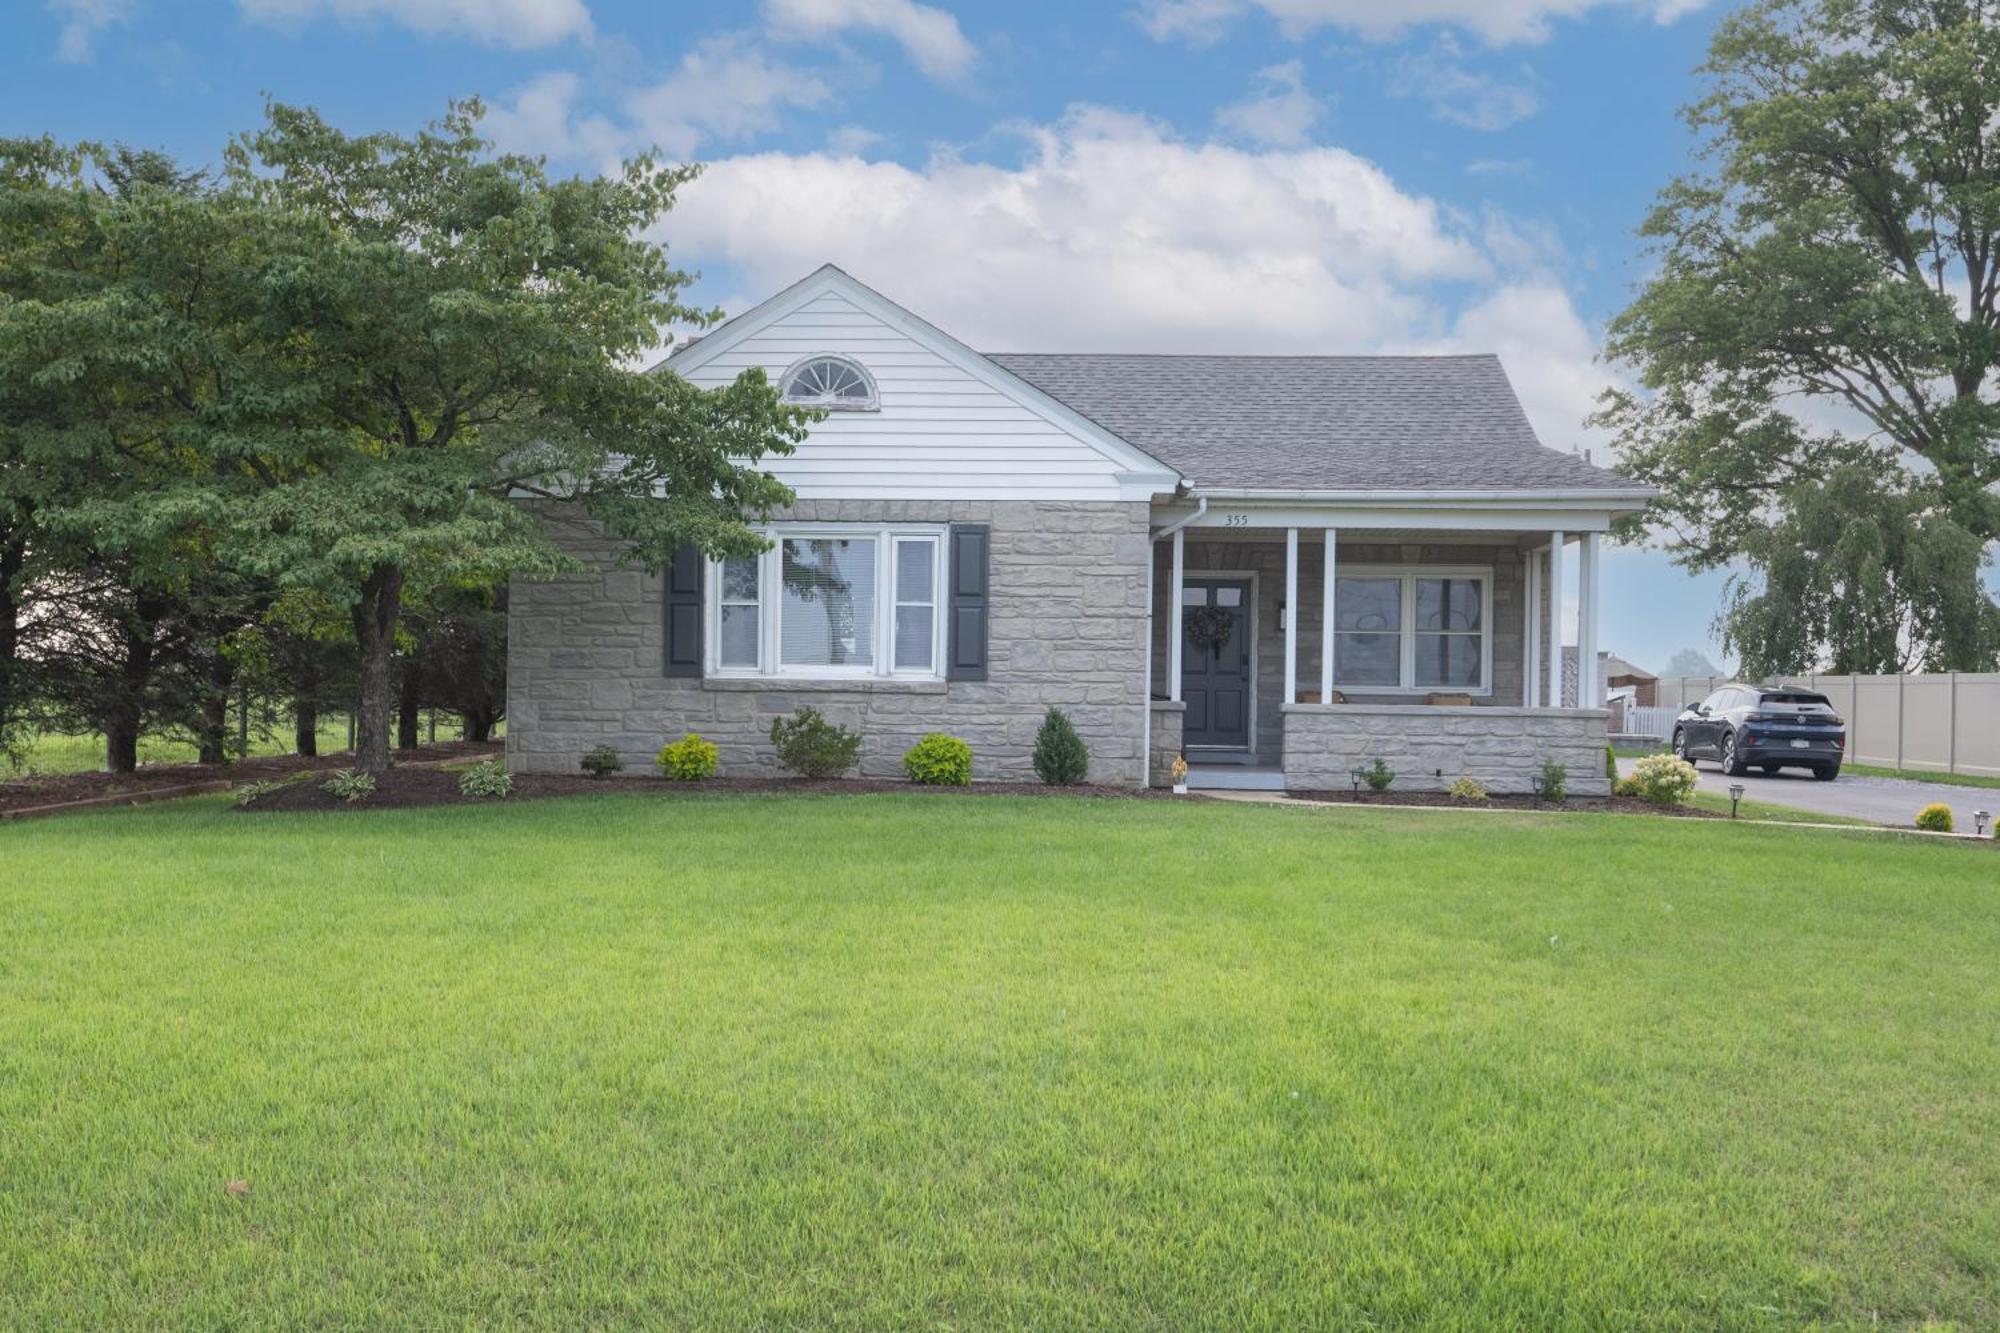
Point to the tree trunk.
(375, 634)
(305, 728)
(128, 709)
(477, 725)
(213, 742)
(409, 716)
(11, 559)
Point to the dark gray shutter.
(682, 649)
(970, 550)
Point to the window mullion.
(1408, 638)
(770, 599)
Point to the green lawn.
(52, 752)
(936, 1062)
(1771, 810)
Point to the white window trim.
(770, 585)
(873, 403)
(1407, 630)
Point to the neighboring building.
(1614, 674)
(1283, 566)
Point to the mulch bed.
(60, 789)
(405, 787)
(1617, 805)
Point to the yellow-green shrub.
(1935, 818)
(689, 759)
(938, 760)
(1467, 789)
(1663, 780)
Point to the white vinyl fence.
(1655, 722)
(1945, 722)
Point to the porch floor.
(1234, 777)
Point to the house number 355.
(1236, 520)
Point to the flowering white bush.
(1663, 780)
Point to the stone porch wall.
(1067, 627)
(1429, 746)
(1166, 740)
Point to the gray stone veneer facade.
(1166, 740)
(1429, 747)
(1067, 627)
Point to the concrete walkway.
(1883, 800)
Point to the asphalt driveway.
(1882, 800)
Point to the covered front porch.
(1293, 643)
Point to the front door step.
(1235, 778)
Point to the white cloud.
(1496, 21)
(82, 20)
(1460, 94)
(1111, 233)
(852, 140)
(1278, 110)
(514, 23)
(725, 90)
(928, 35)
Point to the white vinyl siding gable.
(940, 431)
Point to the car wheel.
(1681, 744)
(1826, 772)
(1731, 763)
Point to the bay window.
(832, 601)
(1413, 630)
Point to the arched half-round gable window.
(831, 382)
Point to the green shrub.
(1466, 789)
(1061, 760)
(1611, 763)
(813, 747)
(1378, 775)
(349, 786)
(1663, 780)
(1555, 780)
(252, 792)
(1624, 787)
(487, 778)
(601, 762)
(689, 759)
(1935, 818)
(939, 760)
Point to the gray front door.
(1215, 662)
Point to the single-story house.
(1280, 567)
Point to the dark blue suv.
(1766, 727)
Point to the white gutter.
(1146, 685)
(1419, 497)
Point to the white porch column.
(1326, 626)
(1174, 618)
(1291, 615)
(1587, 695)
(1555, 598)
(1531, 628)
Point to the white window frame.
(882, 639)
(872, 403)
(1407, 631)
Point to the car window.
(1796, 697)
(1717, 702)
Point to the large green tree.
(356, 359)
(1816, 352)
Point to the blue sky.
(1226, 175)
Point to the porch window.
(1412, 630)
(831, 601)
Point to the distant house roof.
(1316, 422)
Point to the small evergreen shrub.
(601, 761)
(487, 778)
(1555, 780)
(252, 792)
(350, 786)
(813, 747)
(1061, 760)
(1935, 818)
(1663, 780)
(1466, 789)
(690, 759)
(1378, 775)
(1610, 763)
(939, 760)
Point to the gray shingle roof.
(1316, 422)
